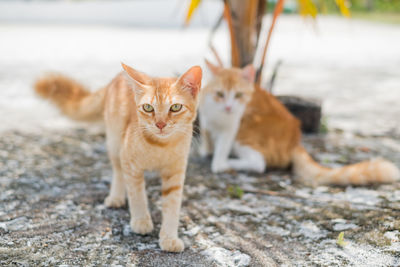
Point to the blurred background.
(345, 53)
(55, 174)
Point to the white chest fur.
(219, 129)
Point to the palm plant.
(245, 18)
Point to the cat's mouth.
(163, 133)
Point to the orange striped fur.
(143, 133)
(71, 97)
(269, 129)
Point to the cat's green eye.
(238, 95)
(176, 107)
(220, 94)
(148, 108)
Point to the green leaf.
(340, 240)
(235, 191)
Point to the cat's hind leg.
(248, 159)
(117, 196)
(206, 146)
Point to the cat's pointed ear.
(191, 80)
(213, 68)
(138, 79)
(249, 73)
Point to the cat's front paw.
(114, 202)
(172, 244)
(142, 226)
(217, 167)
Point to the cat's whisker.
(130, 151)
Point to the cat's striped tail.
(71, 97)
(366, 172)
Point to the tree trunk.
(246, 26)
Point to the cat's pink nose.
(160, 125)
(228, 108)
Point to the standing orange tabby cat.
(149, 127)
(237, 117)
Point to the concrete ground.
(54, 174)
(51, 211)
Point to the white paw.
(142, 226)
(203, 151)
(255, 166)
(114, 202)
(172, 244)
(233, 163)
(217, 167)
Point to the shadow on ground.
(51, 210)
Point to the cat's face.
(231, 89)
(166, 106)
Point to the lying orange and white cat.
(237, 117)
(149, 124)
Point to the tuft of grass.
(340, 240)
(323, 126)
(235, 191)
